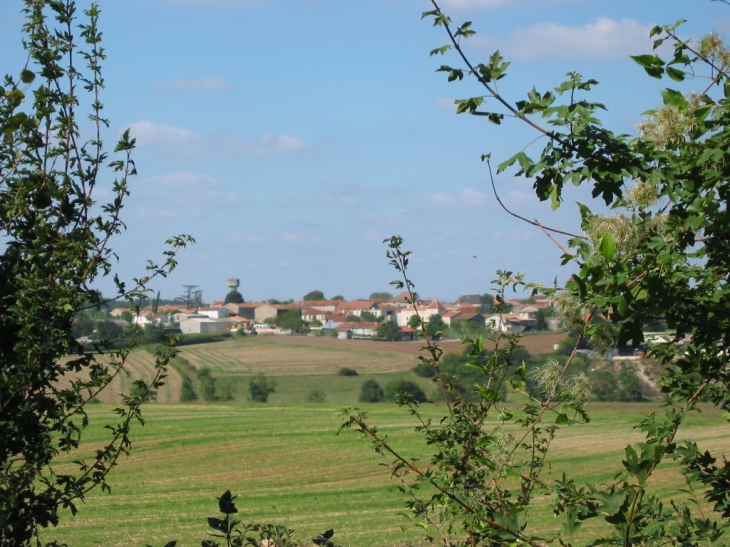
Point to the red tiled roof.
(355, 305)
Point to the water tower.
(233, 284)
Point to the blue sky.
(290, 137)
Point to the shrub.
(425, 370)
(207, 385)
(260, 387)
(371, 392)
(345, 371)
(188, 391)
(404, 388)
(225, 393)
(316, 396)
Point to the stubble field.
(297, 363)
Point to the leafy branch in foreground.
(236, 533)
(660, 256)
(56, 245)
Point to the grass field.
(288, 467)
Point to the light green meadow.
(289, 467)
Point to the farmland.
(297, 363)
(288, 467)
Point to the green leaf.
(653, 65)
(674, 98)
(676, 74)
(489, 394)
(27, 76)
(218, 524)
(440, 50)
(554, 197)
(608, 246)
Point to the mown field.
(297, 363)
(288, 467)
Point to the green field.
(288, 467)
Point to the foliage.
(139, 389)
(660, 256)
(207, 385)
(236, 533)
(540, 320)
(353, 318)
(291, 320)
(371, 392)
(624, 386)
(389, 330)
(203, 338)
(260, 387)
(380, 296)
(83, 325)
(313, 295)
(56, 244)
(233, 297)
(404, 390)
(370, 317)
(187, 393)
(346, 371)
(338, 297)
(192, 297)
(467, 329)
(424, 370)
(435, 327)
(316, 396)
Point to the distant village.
(341, 318)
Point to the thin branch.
(533, 222)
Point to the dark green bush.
(203, 338)
(371, 392)
(260, 387)
(345, 371)
(425, 370)
(207, 385)
(188, 391)
(404, 388)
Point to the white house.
(199, 325)
(214, 313)
(425, 311)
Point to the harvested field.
(306, 355)
(288, 467)
(140, 366)
(291, 356)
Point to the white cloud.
(394, 217)
(204, 84)
(151, 134)
(274, 143)
(182, 141)
(445, 103)
(182, 179)
(342, 201)
(465, 198)
(216, 3)
(245, 238)
(604, 39)
(298, 237)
